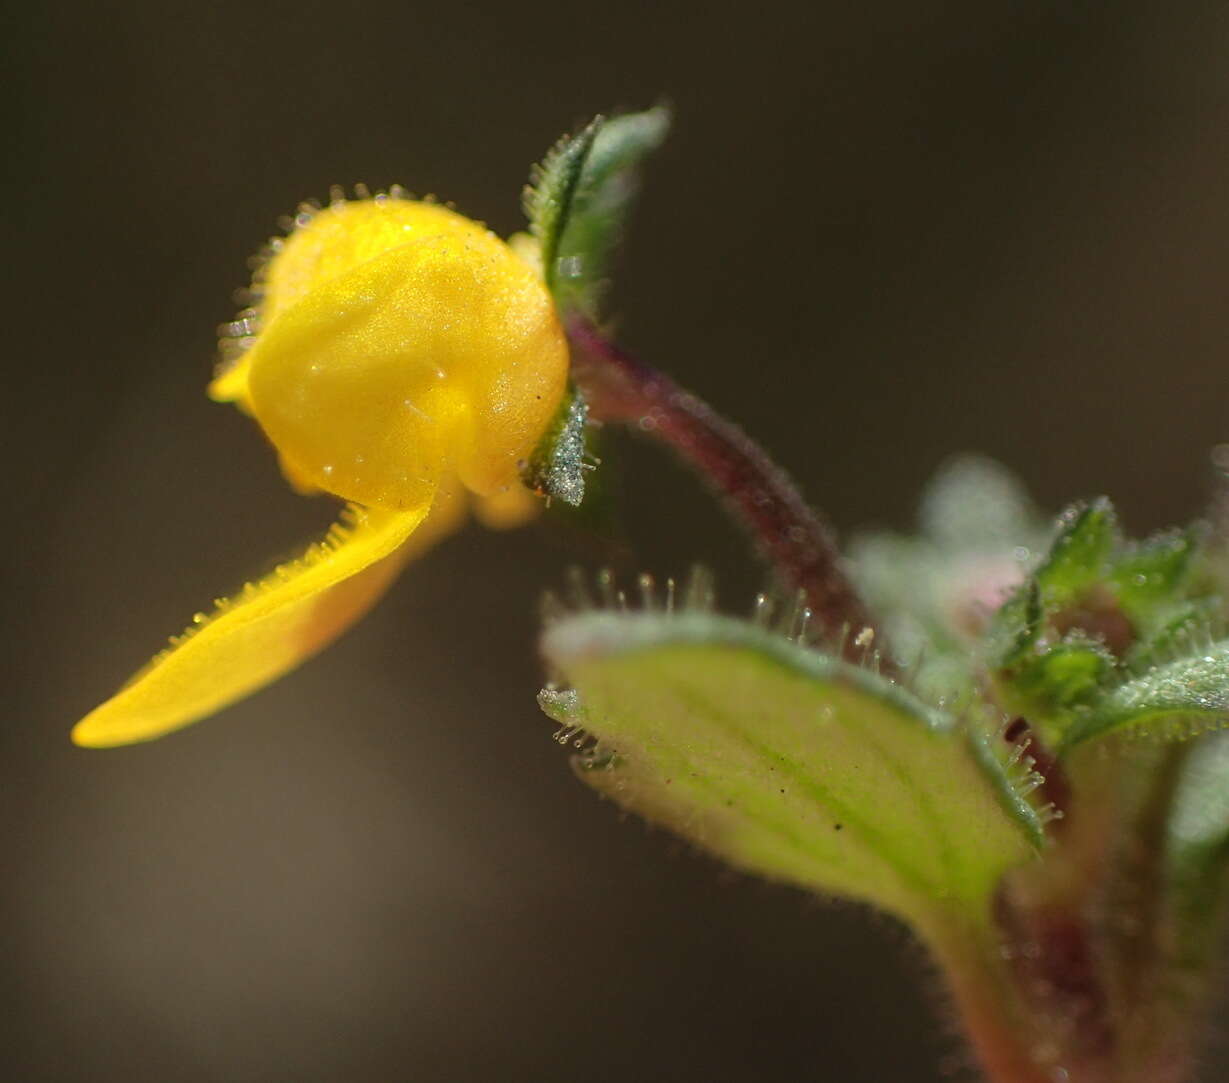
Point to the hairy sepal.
(556, 469)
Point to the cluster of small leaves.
(1093, 635)
(1106, 634)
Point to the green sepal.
(1172, 701)
(556, 467)
(579, 198)
(549, 197)
(792, 764)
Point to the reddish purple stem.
(792, 537)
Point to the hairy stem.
(990, 1015)
(1087, 934)
(792, 537)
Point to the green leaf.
(579, 198)
(1017, 625)
(608, 187)
(1068, 674)
(1148, 576)
(1174, 628)
(556, 467)
(552, 190)
(1173, 700)
(791, 764)
(1080, 554)
(1077, 559)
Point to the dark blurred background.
(880, 234)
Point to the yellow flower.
(399, 356)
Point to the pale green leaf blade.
(789, 763)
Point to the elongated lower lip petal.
(263, 632)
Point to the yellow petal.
(345, 235)
(269, 628)
(506, 508)
(447, 515)
(433, 358)
(528, 248)
(231, 384)
(296, 479)
(324, 245)
(400, 344)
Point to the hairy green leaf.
(1173, 700)
(1016, 626)
(1172, 631)
(551, 193)
(789, 763)
(1047, 644)
(1077, 559)
(608, 186)
(1069, 673)
(579, 198)
(1080, 554)
(1147, 576)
